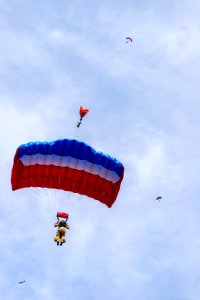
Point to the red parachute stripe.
(67, 179)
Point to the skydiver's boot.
(56, 239)
(63, 240)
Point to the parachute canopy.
(68, 165)
(83, 111)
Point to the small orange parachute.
(82, 112)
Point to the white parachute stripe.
(70, 162)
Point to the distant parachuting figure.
(82, 112)
(158, 198)
(129, 39)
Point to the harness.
(62, 224)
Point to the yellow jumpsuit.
(60, 234)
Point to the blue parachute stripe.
(75, 149)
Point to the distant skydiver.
(62, 227)
(129, 39)
(82, 112)
(159, 198)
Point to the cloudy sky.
(144, 110)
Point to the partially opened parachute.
(68, 165)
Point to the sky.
(144, 107)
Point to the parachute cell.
(69, 165)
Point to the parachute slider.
(62, 214)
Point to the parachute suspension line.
(69, 201)
(56, 198)
(57, 204)
(77, 133)
(35, 193)
(51, 192)
(38, 192)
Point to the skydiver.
(159, 198)
(129, 39)
(82, 112)
(60, 234)
(79, 123)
